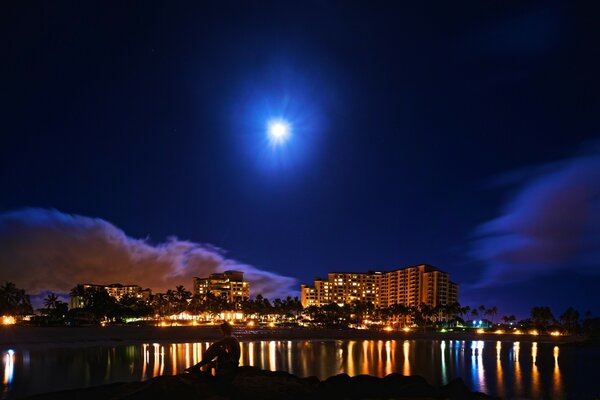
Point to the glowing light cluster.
(8, 320)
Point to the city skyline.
(166, 143)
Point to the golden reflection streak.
(155, 370)
(146, 357)
(174, 358)
(195, 350)
(365, 357)
(388, 357)
(272, 356)
(304, 360)
(289, 355)
(162, 360)
(518, 377)
(406, 364)
(535, 374)
(187, 355)
(263, 361)
(9, 367)
(556, 381)
(499, 371)
(242, 353)
(379, 358)
(251, 353)
(350, 360)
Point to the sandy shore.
(25, 336)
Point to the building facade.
(229, 285)
(411, 286)
(115, 290)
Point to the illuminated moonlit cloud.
(44, 249)
(551, 224)
(279, 131)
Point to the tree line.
(97, 305)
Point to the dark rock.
(456, 389)
(254, 383)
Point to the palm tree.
(399, 312)
(542, 317)
(492, 312)
(182, 298)
(507, 319)
(452, 310)
(51, 301)
(462, 311)
(294, 305)
(570, 320)
(14, 301)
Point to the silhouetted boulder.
(254, 383)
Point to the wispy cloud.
(551, 224)
(44, 249)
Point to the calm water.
(509, 370)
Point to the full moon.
(278, 131)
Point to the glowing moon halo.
(278, 131)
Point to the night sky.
(466, 137)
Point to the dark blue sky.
(415, 128)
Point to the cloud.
(44, 249)
(551, 224)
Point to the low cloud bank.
(44, 249)
(550, 226)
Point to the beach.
(29, 336)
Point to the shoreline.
(28, 337)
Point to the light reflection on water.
(506, 369)
(8, 364)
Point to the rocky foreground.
(254, 383)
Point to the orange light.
(480, 330)
(271, 325)
(534, 332)
(406, 329)
(499, 331)
(8, 320)
(555, 333)
(388, 328)
(251, 323)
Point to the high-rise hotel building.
(229, 285)
(411, 286)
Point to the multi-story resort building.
(115, 290)
(411, 286)
(229, 285)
